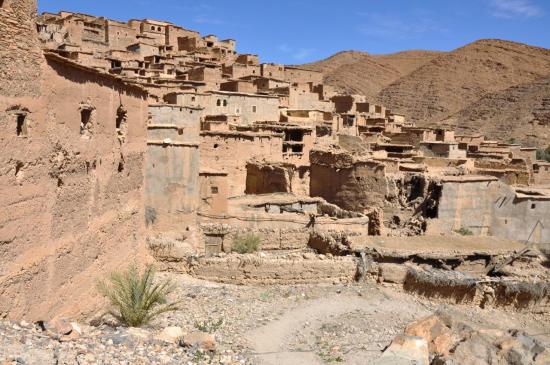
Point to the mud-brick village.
(165, 199)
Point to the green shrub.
(246, 244)
(209, 326)
(464, 232)
(136, 298)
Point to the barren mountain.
(361, 73)
(520, 113)
(452, 81)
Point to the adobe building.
(172, 171)
(119, 134)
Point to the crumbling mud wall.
(20, 54)
(354, 185)
(71, 188)
(279, 269)
(280, 232)
(459, 288)
(267, 178)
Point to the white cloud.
(303, 53)
(509, 9)
(285, 48)
(384, 26)
(207, 19)
(299, 54)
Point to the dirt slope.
(449, 83)
(521, 113)
(361, 73)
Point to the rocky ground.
(226, 324)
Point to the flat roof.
(468, 178)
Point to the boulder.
(61, 326)
(439, 337)
(405, 350)
(392, 273)
(519, 348)
(171, 334)
(201, 340)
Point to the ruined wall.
(71, 197)
(352, 185)
(277, 270)
(230, 151)
(264, 178)
(20, 54)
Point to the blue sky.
(298, 31)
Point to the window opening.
(21, 120)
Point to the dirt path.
(271, 342)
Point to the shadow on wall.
(83, 76)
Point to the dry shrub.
(248, 243)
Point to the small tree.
(246, 244)
(136, 298)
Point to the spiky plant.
(137, 298)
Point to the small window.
(121, 123)
(533, 206)
(193, 99)
(86, 123)
(214, 189)
(219, 102)
(225, 103)
(254, 108)
(159, 29)
(152, 28)
(216, 145)
(21, 128)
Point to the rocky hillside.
(484, 86)
(520, 113)
(376, 71)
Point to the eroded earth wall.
(71, 192)
(20, 55)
